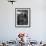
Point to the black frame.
(29, 17)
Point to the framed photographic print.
(22, 17)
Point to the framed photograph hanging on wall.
(22, 17)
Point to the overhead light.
(12, 1)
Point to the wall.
(8, 31)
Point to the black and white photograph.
(22, 17)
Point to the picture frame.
(22, 17)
